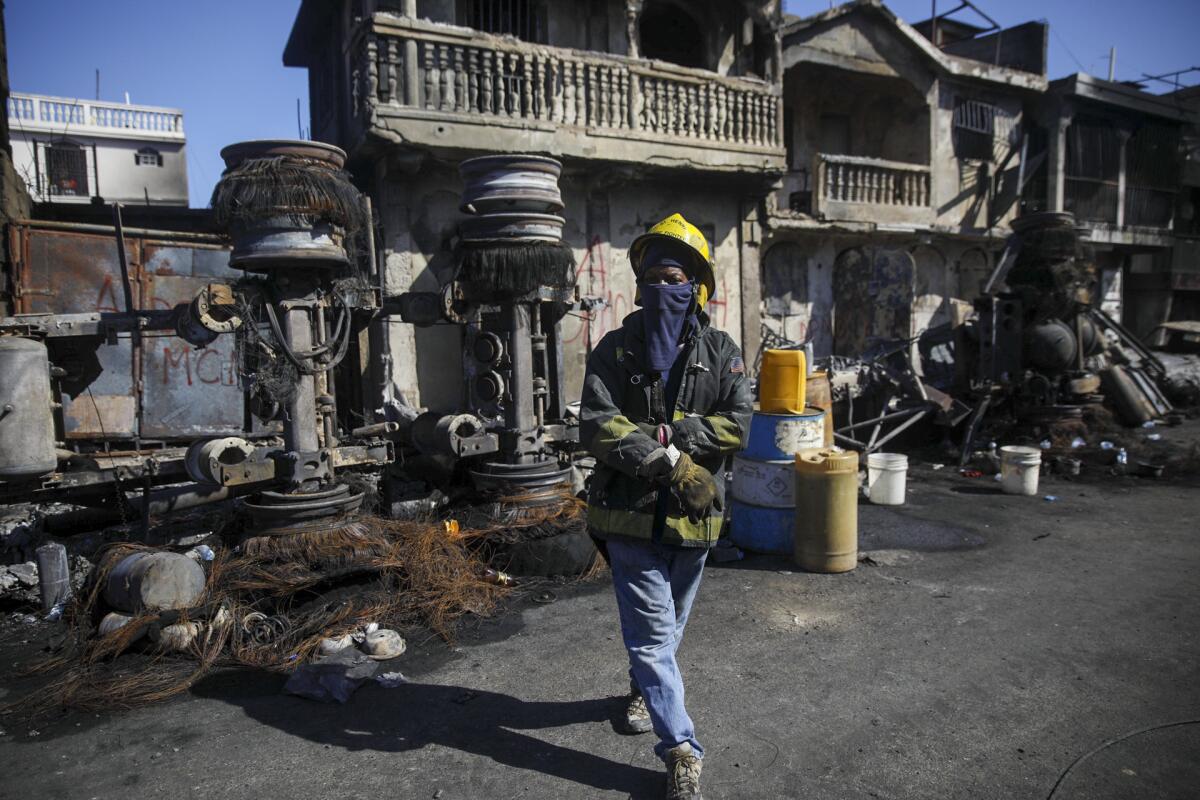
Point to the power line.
(1082, 68)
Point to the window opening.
(669, 33)
(1093, 165)
(524, 19)
(974, 129)
(1151, 175)
(66, 169)
(148, 157)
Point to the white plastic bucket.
(886, 477)
(1019, 467)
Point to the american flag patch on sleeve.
(737, 365)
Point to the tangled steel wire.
(261, 188)
(270, 603)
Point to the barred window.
(974, 126)
(524, 19)
(66, 169)
(148, 157)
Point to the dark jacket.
(710, 420)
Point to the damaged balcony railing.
(457, 72)
(850, 186)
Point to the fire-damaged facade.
(905, 163)
(857, 181)
(1114, 161)
(654, 107)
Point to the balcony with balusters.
(63, 116)
(858, 188)
(455, 89)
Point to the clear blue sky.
(221, 60)
(1151, 36)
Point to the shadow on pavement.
(413, 715)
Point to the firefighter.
(665, 402)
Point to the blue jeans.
(655, 586)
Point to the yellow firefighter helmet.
(676, 228)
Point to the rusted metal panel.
(165, 258)
(159, 388)
(187, 392)
(110, 410)
(101, 416)
(64, 273)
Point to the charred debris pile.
(327, 521)
(1036, 362)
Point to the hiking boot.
(683, 773)
(637, 716)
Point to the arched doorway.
(873, 294)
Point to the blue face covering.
(665, 311)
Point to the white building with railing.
(70, 150)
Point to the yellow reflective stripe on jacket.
(640, 525)
(609, 435)
(729, 434)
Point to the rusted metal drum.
(26, 411)
(519, 183)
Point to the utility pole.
(1112, 63)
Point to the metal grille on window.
(66, 170)
(975, 129)
(147, 157)
(1092, 170)
(1151, 176)
(520, 18)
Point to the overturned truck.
(233, 377)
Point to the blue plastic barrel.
(778, 437)
(761, 530)
(763, 507)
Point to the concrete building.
(69, 150)
(1183, 300)
(654, 106)
(905, 163)
(1114, 160)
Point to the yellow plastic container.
(781, 387)
(826, 537)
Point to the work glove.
(657, 466)
(694, 486)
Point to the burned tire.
(569, 554)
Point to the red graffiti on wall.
(106, 298)
(591, 276)
(210, 366)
